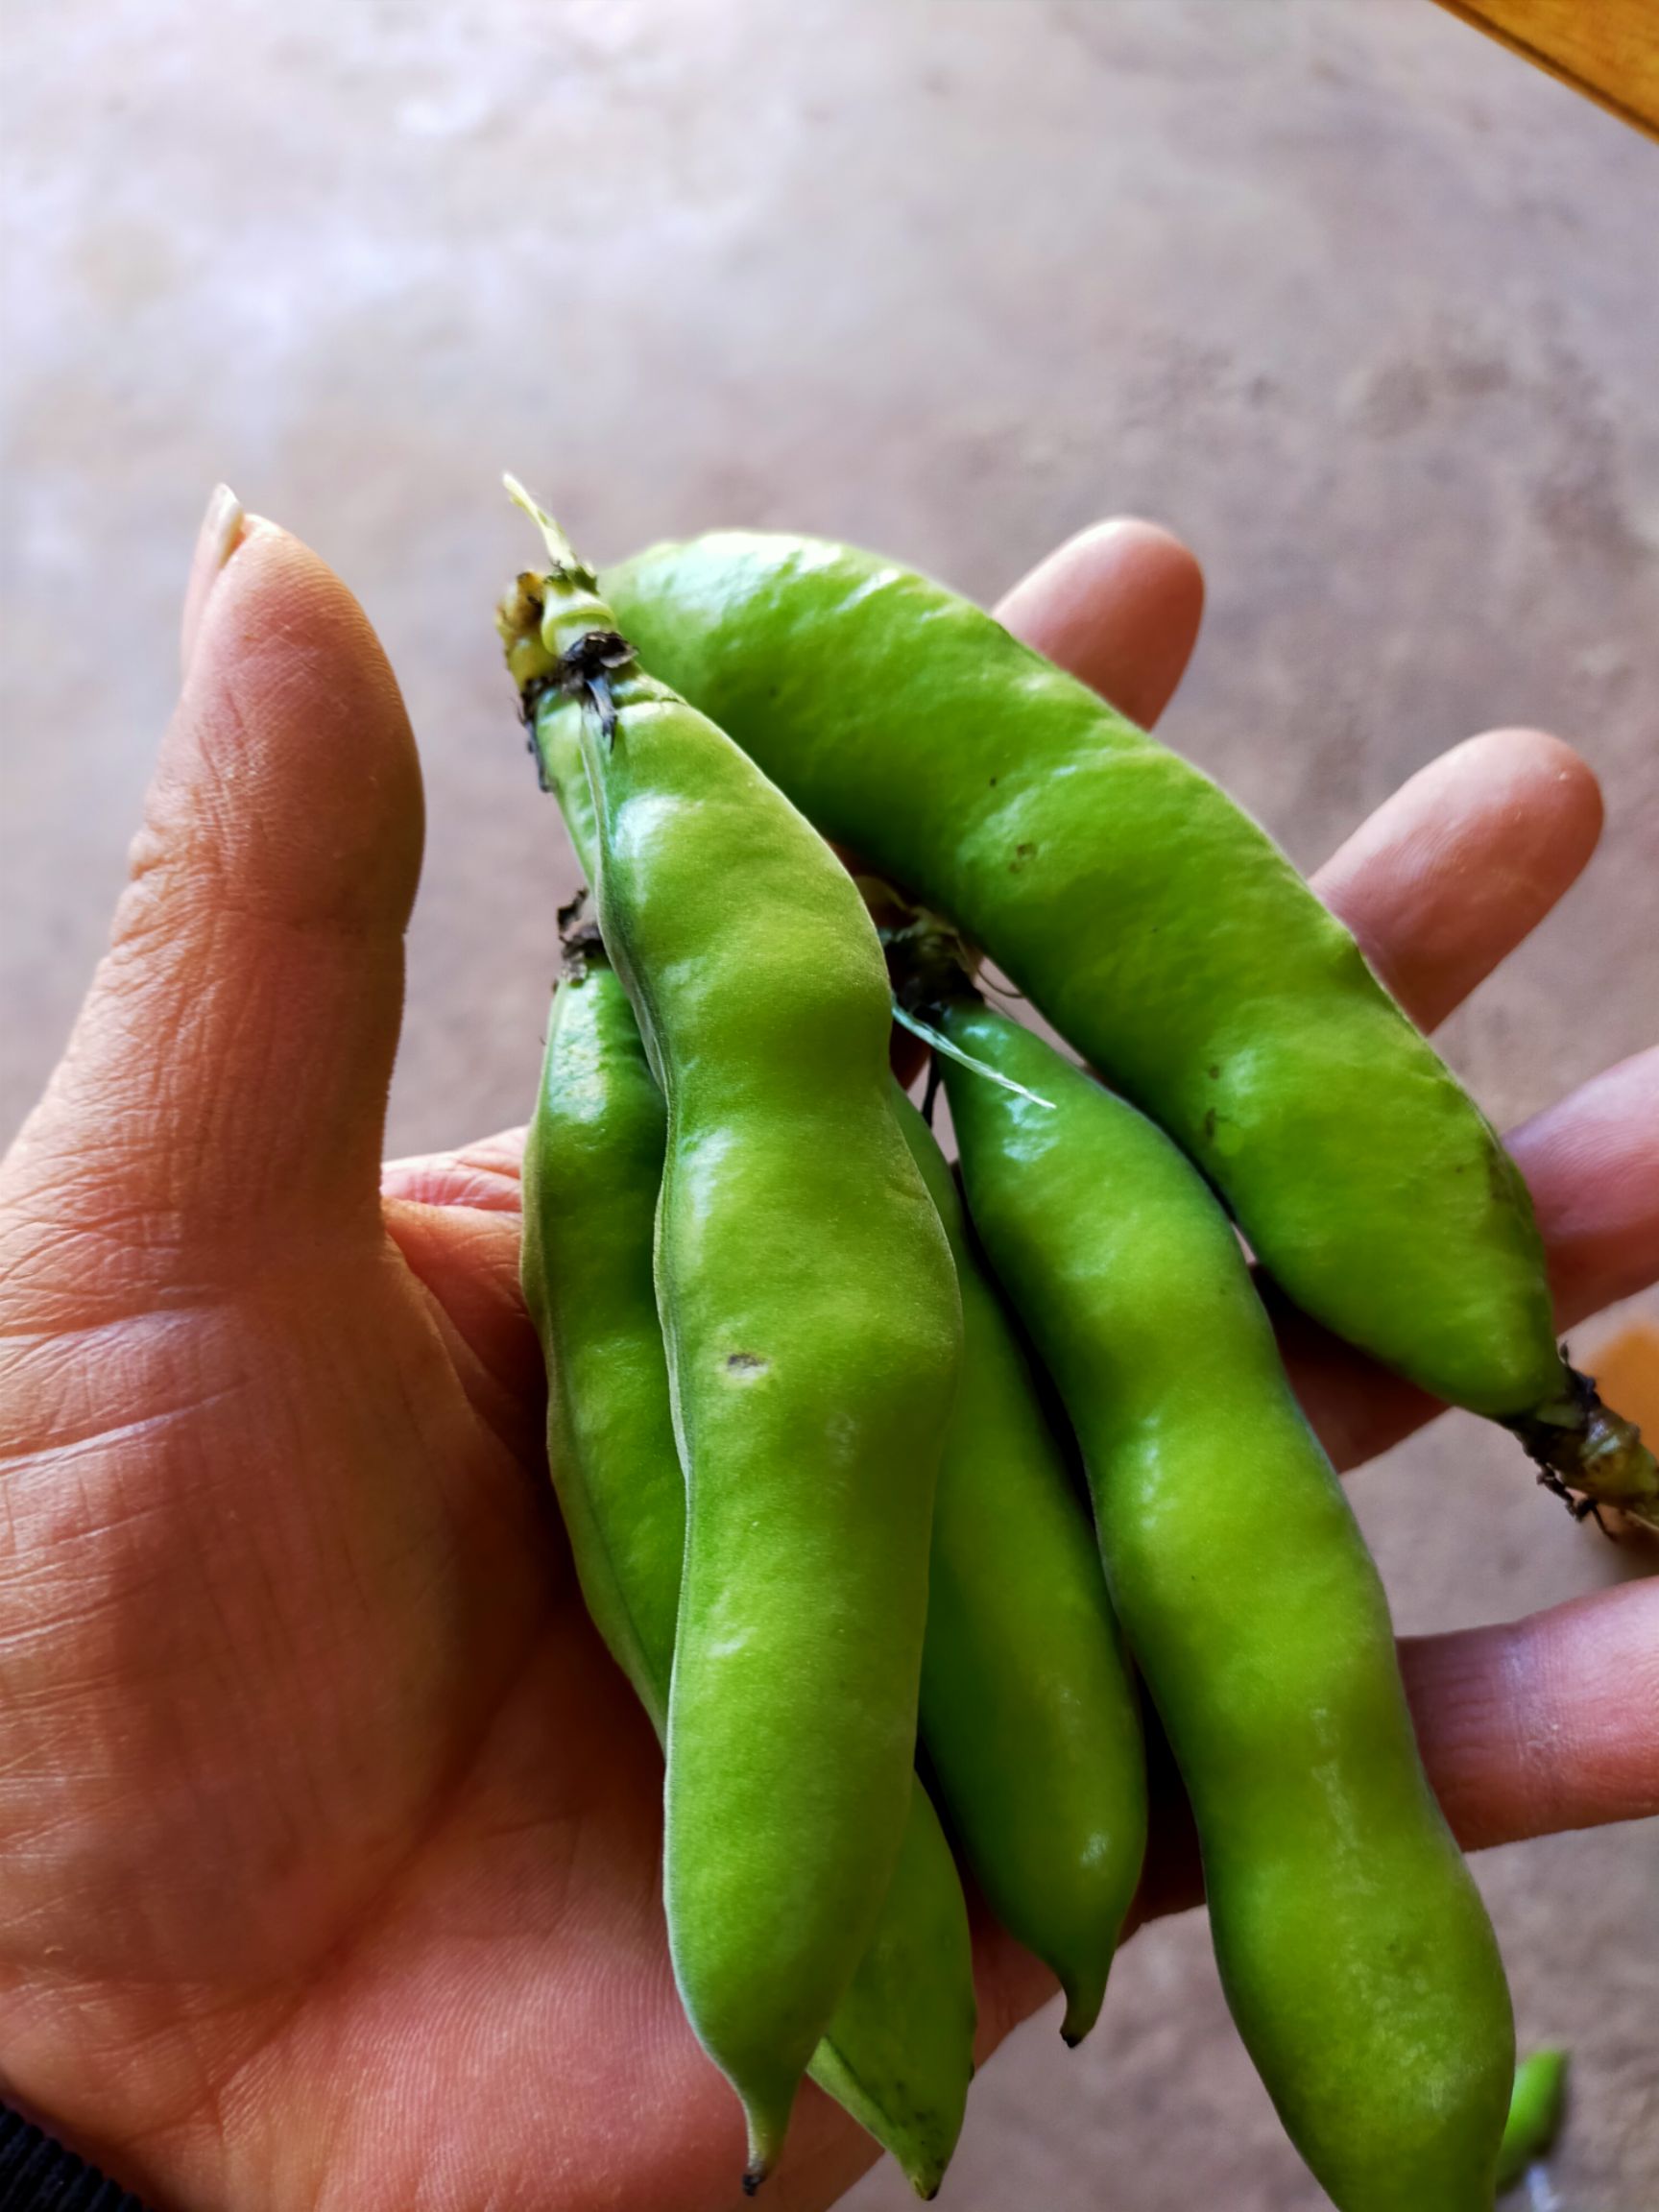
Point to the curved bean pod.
(592, 1170)
(1536, 2105)
(899, 2051)
(1030, 1711)
(1163, 933)
(1354, 1948)
(813, 1332)
(1028, 1708)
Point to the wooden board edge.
(1474, 16)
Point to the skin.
(1163, 936)
(231, 1339)
(1354, 1948)
(813, 1331)
(899, 2051)
(1029, 1712)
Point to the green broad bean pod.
(1537, 2104)
(899, 2051)
(1029, 1712)
(1354, 1948)
(1163, 934)
(813, 1331)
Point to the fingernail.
(220, 534)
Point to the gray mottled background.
(1352, 300)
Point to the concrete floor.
(1352, 298)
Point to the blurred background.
(1354, 301)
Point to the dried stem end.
(1589, 1456)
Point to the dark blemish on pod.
(1214, 1074)
(1209, 1125)
(579, 948)
(1021, 854)
(745, 1363)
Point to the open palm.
(329, 1834)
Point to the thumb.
(227, 1072)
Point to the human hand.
(329, 1834)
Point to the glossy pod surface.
(1028, 1704)
(592, 1170)
(1029, 1712)
(899, 2050)
(1151, 920)
(813, 1332)
(1536, 2105)
(1354, 1948)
